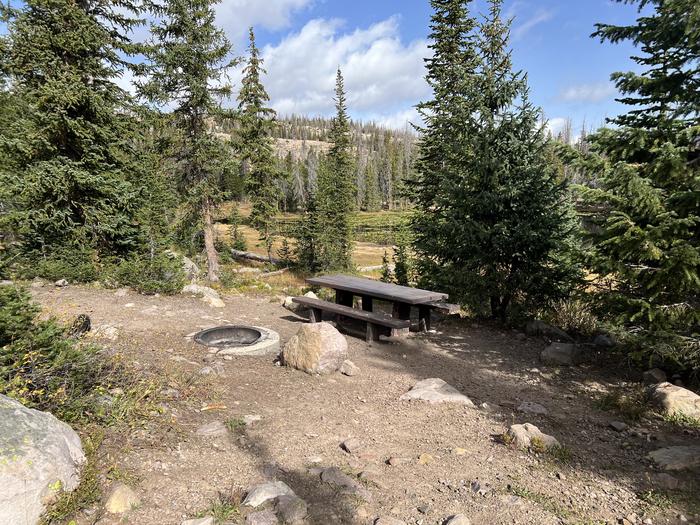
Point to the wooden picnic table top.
(377, 289)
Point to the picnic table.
(403, 298)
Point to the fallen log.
(255, 257)
(272, 274)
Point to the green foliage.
(493, 226)
(237, 238)
(573, 315)
(403, 262)
(75, 264)
(647, 246)
(387, 274)
(161, 273)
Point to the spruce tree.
(69, 176)
(371, 200)
(494, 227)
(647, 252)
(187, 61)
(336, 192)
(254, 145)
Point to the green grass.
(681, 420)
(656, 499)
(631, 404)
(235, 425)
(224, 508)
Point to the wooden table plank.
(377, 289)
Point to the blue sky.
(380, 45)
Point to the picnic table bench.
(403, 298)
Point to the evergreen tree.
(387, 275)
(371, 198)
(255, 146)
(647, 252)
(70, 179)
(494, 227)
(336, 192)
(188, 57)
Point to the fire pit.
(239, 340)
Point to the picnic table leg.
(367, 303)
(424, 318)
(316, 315)
(344, 298)
(401, 311)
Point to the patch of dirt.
(446, 459)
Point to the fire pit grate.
(238, 340)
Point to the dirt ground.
(463, 467)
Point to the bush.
(76, 265)
(572, 315)
(162, 273)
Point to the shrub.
(162, 273)
(77, 265)
(573, 316)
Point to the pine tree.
(188, 57)
(336, 192)
(371, 197)
(495, 228)
(648, 250)
(70, 180)
(387, 275)
(254, 144)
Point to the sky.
(381, 44)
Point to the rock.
(38, 283)
(263, 517)
(352, 445)
(199, 521)
(618, 426)
(317, 348)
(457, 451)
(190, 268)
(214, 429)
(532, 408)
(121, 499)
(458, 519)
(251, 419)
(425, 459)
(215, 369)
(388, 521)
(348, 485)
(540, 328)
(61, 283)
(677, 458)
(297, 308)
(654, 376)
(665, 481)
(260, 494)
(105, 331)
(214, 302)
(40, 456)
(291, 510)
(435, 390)
(672, 399)
(348, 368)
(562, 354)
(522, 436)
(200, 291)
(604, 341)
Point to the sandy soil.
(178, 474)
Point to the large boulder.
(562, 354)
(672, 399)
(317, 348)
(676, 458)
(40, 457)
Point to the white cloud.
(556, 125)
(383, 76)
(588, 92)
(540, 16)
(236, 16)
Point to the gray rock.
(529, 407)
(201, 291)
(264, 492)
(562, 354)
(665, 481)
(251, 419)
(61, 283)
(317, 348)
(458, 519)
(291, 510)
(348, 485)
(604, 341)
(672, 399)
(348, 368)
(40, 456)
(352, 445)
(121, 499)
(199, 521)
(212, 430)
(654, 376)
(677, 458)
(297, 308)
(540, 328)
(436, 390)
(522, 436)
(263, 517)
(38, 283)
(618, 426)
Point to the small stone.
(618, 426)
(352, 445)
(532, 408)
(121, 499)
(265, 492)
(425, 459)
(251, 419)
(199, 521)
(291, 509)
(654, 376)
(436, 390)
(457, 451)
(214, 429)
(562, 354)
(458, 519)
(263, 517)
(395, 461)
(423, 509)
(348, 368)
(61, 283)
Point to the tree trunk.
(209, 247)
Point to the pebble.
(352, 445)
